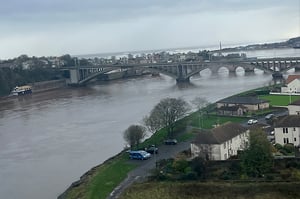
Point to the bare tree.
(200, 104)
(165, 114)
(134, 134)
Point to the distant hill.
(291, 43)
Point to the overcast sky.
(57, 27)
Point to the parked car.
(170, 141)
(139, 155)
(152, 149)
(269, 116)
(252, 121)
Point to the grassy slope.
(209, 190)
(101, 183)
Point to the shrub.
(269, 177)
(198, 166)
(278, 146)
(189, 176)
(180, 165)
(285, 174)
(289, 148)
(226, 175)
(292, 164)
(295, 175)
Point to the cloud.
(53, 27)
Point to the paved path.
(145, 166)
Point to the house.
(294, 108)
(249, 103)
(221, 142)
(232, 110)
(287, 130)
(292, 84)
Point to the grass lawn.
(279, 100)
(208, 121)
(99, 184)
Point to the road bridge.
(182, 71)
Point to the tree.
(165, 114)
(200, 104)
(257, 159)
(134, 134)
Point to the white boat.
(22, 90)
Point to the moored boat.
(22, 90)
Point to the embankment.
(48, 85)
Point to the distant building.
(292, 84)
(232, 110)
(248, 103)
(221, 142)
(287, 130)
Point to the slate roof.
(292, 78)
(242, 100)
(289, 121)
(220, 134)
(295, 103)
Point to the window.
(294, 129)
(285, 140)
(295, 139)
(285, 130)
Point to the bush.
(269, 177)
(198, 166)
(189, 176)
(295, 175)
(285, 174)
(226, 175)
(180, 165)
(278, 146)
(292, 164)
(289, 148)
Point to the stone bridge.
(182, 71)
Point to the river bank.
(77, 188)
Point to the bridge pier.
(297, 68)
(182, 80)
(74, 76)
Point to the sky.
(76, 27)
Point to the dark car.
(152, 149)
(139, 155)
(170, 141)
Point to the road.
(145, 166)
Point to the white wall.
(292, 87)
(222, 151)
(294, 109)
(293, 133)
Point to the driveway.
(145, 166)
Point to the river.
(48, 140)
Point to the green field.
(208, 121)
(279, 100)
(212, 190)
